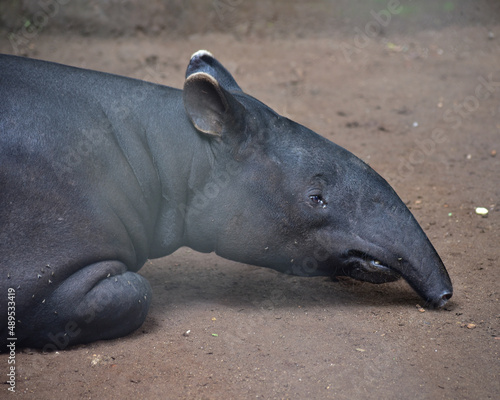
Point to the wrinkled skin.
(209, 167)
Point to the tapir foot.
(100, 301)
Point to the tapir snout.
(383, 242)
(419, 264)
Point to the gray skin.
(99, 172)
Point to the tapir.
(99, 173)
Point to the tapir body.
(99, 172)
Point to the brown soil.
(407, 103)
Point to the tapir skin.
(99, 172)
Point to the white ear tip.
(201, 53)
(203, 75)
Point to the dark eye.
(318, 200)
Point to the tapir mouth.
(365, 267)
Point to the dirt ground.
(406, 100)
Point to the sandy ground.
(255, 333)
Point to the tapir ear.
(204, 61)
(210, 108)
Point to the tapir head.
(273, 193)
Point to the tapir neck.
(182, 160)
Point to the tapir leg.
(100, 301)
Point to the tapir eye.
(318, 200)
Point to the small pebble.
(481, 211)
(187, 333)
(471, 326)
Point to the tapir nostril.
(447, 296)
(443, 299)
